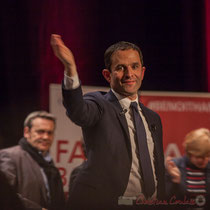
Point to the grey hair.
(38, 114)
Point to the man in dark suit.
(115, 171)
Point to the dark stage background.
(171, 34)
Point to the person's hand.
(64, 54)
(173, 170)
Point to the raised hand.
(173, 170)
(64, 54)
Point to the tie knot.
(134, 105)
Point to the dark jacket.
(106, 172)
(24, 174)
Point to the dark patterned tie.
(145, 161)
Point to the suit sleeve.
(9, 198)
(83, 111)
(7, 166)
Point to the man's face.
(41, 134)
(199, 161)
(126, 73)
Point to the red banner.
(180, 113)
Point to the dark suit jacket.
(105, 175)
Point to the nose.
(45, 135)
(128, 72)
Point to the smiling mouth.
(128, 82)
(43, 142)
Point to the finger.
(172, 164)
(55, 35)
(53, 38)
(168, 158)
(56, 40)
(56, 43)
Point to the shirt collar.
(124, 101)
(47, 156)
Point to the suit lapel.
(121, 116)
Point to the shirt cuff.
(71, 82)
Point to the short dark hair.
(122, 45)
(38, 114)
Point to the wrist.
(176, 180)
(70, 71)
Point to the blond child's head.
(197, 146)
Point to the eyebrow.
(134, 63)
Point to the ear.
(26, 132)
(143, 71)
(107, 75)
